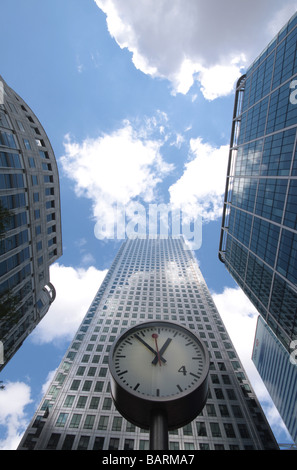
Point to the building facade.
(278, 374)
(31, 236)
(150, 279)
(259, 228)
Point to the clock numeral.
(183, 370)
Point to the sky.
(136, 97)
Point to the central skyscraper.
(150, 279)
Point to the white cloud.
(240, 319)
(13, 401)
(117, 168)
(48, 381)
(193, 192)
(195, 40)
(75, 289)
(219, 79)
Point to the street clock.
(159, 368)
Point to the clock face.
(158, 360)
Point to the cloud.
(240, 319)
(207, 42)
(75, 289)
(13, 401)
(196, 194)
(117, 168)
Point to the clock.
(161, 366)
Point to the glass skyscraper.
(30, 238)
(150, 279)
(278, 374)
(259, 228)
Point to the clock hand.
(157, 358)
(162, 350)
(149, 347)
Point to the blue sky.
(137, 103)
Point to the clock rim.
(165, 323)
(181, 408)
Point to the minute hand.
(151, 349)
(162, 350)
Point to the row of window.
(113, 443)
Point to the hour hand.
(162, 350)
(151, 349)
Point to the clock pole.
(158, 430)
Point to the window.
(43, 154)
(237, 411)
(113, 443)
(243, 430)
(69, 401)
(87, 385)
(103, 423)
(219, 393)
(201, 428)
(117, 424)
(75, 385)
(80, 370)
(94, 403)
(27, 144)
(61, 420)
(211, 411)
(174, 445)
(215, 429)
(83, 443)
(129, 444)
(99, 386)
(53, 441)
(89, 422)
(231, 394)
(187, 430)
(34, 180)
(81, 402)
(39, 143)
(229, 430)
(224, 410)
(75, 421)
(98, 443)
(103, 372)
(189, 446)
(68, 442)
(107, 404)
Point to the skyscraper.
(31, 236)
(259, 228)
(150, 279)
(278, 374)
